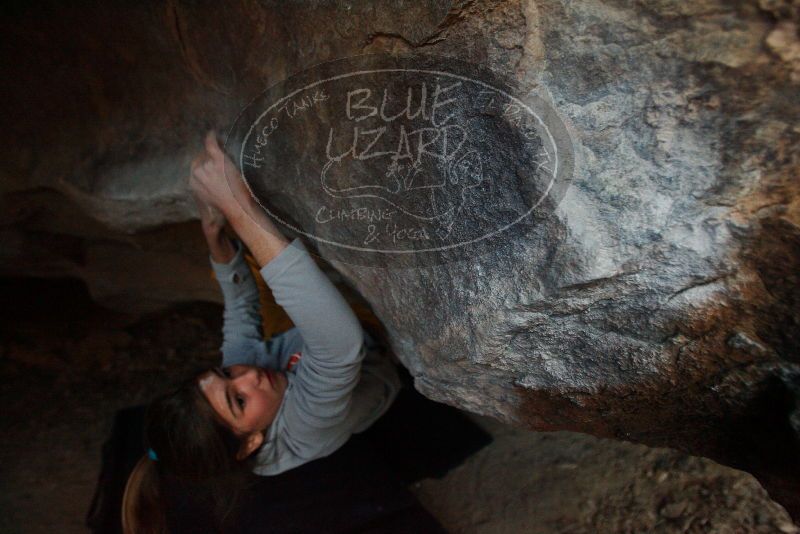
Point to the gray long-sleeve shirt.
(338, 383)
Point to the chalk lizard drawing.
(441, 201)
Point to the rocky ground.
(66, 366)
(537, 482)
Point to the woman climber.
(272, 404)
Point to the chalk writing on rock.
(388, 155)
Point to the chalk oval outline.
(524, 105)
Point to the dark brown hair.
(194, 449)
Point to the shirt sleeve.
(242, 337)
(318, 400)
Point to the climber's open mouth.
(268, 372)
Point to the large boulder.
(657, 302)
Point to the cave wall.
(657, 304)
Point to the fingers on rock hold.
(198, 161)
(212, 145)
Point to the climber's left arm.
(242, 337)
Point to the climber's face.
(245, 397)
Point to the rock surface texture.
(657, 304)
(545, 482)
